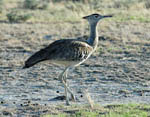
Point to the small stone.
(29, 101)
(36, 104)
(6, 113)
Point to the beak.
(85, 17)
(107, 16)
(104, 16)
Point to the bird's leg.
(65, 80)
(61, 77)
(66, 93)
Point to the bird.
(69, 52)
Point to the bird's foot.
(67, 103)
(73, 98)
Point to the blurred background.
(72, 10)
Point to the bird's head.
(94, 18)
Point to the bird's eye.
(96, 16)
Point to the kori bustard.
(69, 52)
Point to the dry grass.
(72, 12)
(88, 97)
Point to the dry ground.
(118, 72)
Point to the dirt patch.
(118, 72)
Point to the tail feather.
(36, 58)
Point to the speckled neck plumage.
(93, 38)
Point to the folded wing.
(61, 50)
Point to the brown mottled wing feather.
(61, 50)
(35, 58)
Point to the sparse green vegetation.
(126, 110)
(31, 4)
(15, 16)
(123, 10)
(1, 6)
(124, 3)
(35, 4)
(147, 4)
